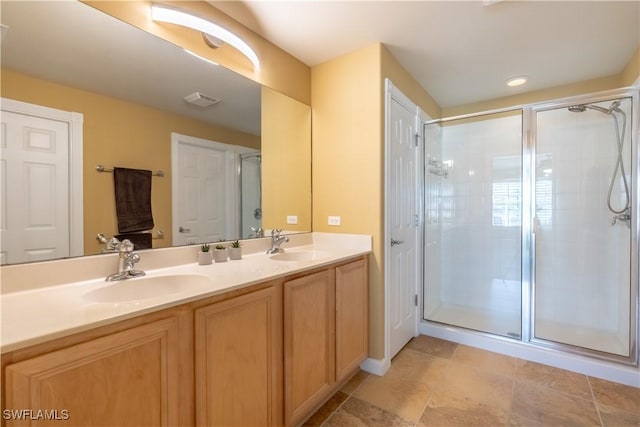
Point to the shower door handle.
(396, 242)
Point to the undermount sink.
(299, 255)
(147, 287)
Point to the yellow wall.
(118, 133)
(631, 72)
(278, 69)
(347, 95)
(627, 77)
(578, 88)
(348, 161)
(286, 142)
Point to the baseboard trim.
(376, 366)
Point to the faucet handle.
(111, 245)
(276, 232)
(131, 258)
(126, 246)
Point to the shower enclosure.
(250, 194)
(531, 224)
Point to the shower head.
(577, 108)
(583, 107)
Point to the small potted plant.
(204, 255)
(220, 253)
(235, 251)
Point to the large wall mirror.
(129, 88)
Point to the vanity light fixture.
(173, 16)
(516, 81)
(201, 58)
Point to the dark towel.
(133, 199)
(139, 240)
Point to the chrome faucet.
(110, 245)
(276, 241)
(258, 232)
(126, 259)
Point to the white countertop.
(37, 315)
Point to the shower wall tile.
(587, 284)
(478, 257)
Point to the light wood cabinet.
(325, 334)
(352, 317)
(238, 361)
(265, 355)
(309, 342)
(129, 378)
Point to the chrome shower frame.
(529, 181)
(528, 266)
(258, 211)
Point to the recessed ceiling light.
(516, 81)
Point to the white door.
(203, 191)
(402, 218)
(34, 188)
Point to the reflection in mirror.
(250, 194)
(129, 88)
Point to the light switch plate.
(334, 220)
(292, 219)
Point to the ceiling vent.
(201, 100)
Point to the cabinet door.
(352, 316)
(239, 361)
(129, 378)
(309, 342)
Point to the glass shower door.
(582, 225)
(473, 205)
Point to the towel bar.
(159, 234)
(101, 168)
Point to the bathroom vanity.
(230, 351)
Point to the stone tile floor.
(433, 382)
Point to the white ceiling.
(459, 51)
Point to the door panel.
(309, 342)
(402, 200)
(201, 195)
(35, 178)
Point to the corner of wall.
(407, 84)
(631, 72)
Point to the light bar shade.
(174, 16)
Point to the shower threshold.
(590, 338)
(497, 322)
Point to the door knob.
(184, 230)
(396, 242)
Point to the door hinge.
(416, 220)
(417, 139)
(416, 300)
